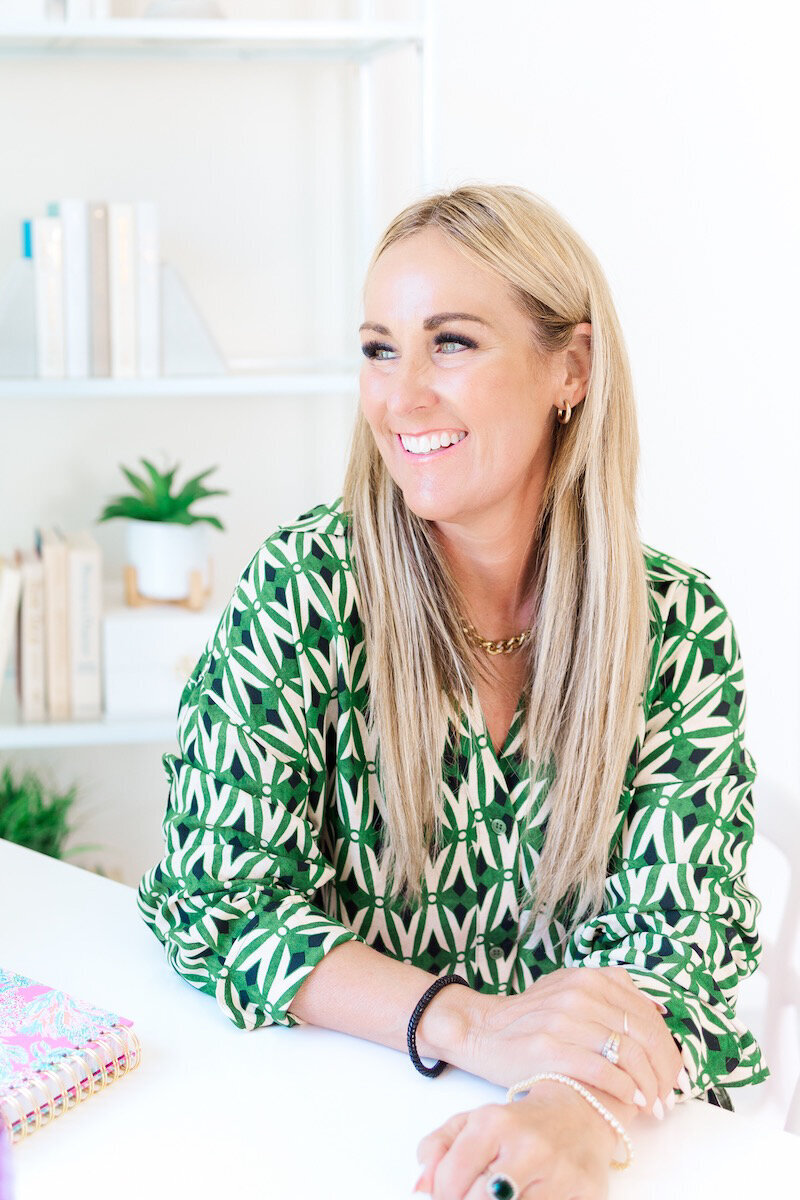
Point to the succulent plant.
(153, 500)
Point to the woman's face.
(429, 373)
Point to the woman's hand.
(552, 1137)
(561, 1022)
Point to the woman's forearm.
(358, 990)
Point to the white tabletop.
(277, 1112)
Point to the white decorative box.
(149, 653)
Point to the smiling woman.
(462, 724)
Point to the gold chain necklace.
(503, 646)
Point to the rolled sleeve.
(678, 913)
(232, 899)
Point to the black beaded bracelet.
(425, 1000)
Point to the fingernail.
(416, 1187)
(683, 1082)
(658, 1109)
(670, 1100)
(639, 1099)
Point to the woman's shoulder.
(663, 568)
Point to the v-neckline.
(483, 728)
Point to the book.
(56, 637)
(122, 260)
(48, 273)
(148, 289)
(84, 604)
(55, 1052)
(73, 214)
(10, 579)
(30, 637)
(100, 329)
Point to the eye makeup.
(370, 349)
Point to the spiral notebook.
(55, 1052)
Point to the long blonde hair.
(587, 657)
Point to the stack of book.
(97, 289)
(51, 605)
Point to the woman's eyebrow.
(430, 322)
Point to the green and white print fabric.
(272, 823)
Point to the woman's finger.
(477, 1143)
(432, 1148)
(632, 1056)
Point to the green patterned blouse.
(272, 829)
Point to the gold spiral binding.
(116, 1052)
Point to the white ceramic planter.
(164, 555)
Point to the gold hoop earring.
(562, 420)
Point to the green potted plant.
(165, 542)
(33, 817)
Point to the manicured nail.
(670, 1100)
(683, 1082)
(639, 1099)
(416, 1187)
(658, 1110)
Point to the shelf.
(278, 383)
(27, 735)
(343, 39)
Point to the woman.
(368, 744)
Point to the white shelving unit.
(358, 42)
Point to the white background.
(666, 134)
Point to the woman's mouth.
(426, 455)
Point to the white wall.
(664, 133)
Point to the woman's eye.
(376, 349)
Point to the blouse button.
(495, 952)
(498, 825)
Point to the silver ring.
(611, 1048)
(624, 1022)
(502, 1187)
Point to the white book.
(10, 578)
(54, 559)
(48, 273)
(99, 330)
(84, 603)
(74, 218)
(148, 292)
(122, 289)
(30, 638)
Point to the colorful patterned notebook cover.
(43, 1029)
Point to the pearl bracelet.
(526, 1084)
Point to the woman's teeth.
(436, 441)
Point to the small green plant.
(30, 817)
(154, 502)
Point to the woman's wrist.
(445, 1026)
(551, 1091)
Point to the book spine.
(48, 267)
(122, 289)
(73, 215)
(54, 557)
(149, 289)
(50, 1093)
(30, 642)
(9, 600)
(98, 290)
(83, 607)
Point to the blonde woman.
(461, 770)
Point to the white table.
(213, 1110)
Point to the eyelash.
(370, 348)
